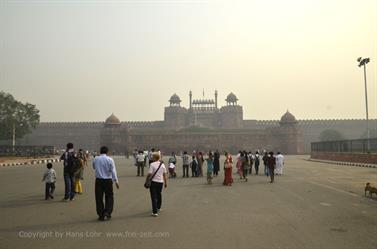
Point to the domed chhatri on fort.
(175, 100)
(231, 99)
(288, 118)
(112, 120)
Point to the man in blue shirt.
(106, 174)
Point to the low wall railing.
(346, 146)
(27, 151)
(356, 151)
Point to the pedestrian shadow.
(26, 202)
(213, 185)
(368, 198)
(137, 216)
(132, 176)
(51, 226)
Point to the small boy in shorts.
(50, 178)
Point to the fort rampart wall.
(87, 134)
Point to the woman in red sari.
(228, 165)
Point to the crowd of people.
(197, 163)
(74, 164)
(246, 163)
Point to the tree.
(330, 135)
(14, 114)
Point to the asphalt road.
(314, 205)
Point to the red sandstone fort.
(202, 126)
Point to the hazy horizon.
(129, 57)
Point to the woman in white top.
(158, 180)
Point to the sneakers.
(65, 200)
(104, 217)
(154, 214)
(108, 216)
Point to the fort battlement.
(231, 108)
(175, 109)
(331, 121)
(267, 123)
(143, 124)
(204, 109)
(70, 124)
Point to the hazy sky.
(83, 60)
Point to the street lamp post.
(364, 62)
(14, 137)
(19, 124)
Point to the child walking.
(209, 168)
(172, 173)
(50, 178)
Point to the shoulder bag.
(148, 182)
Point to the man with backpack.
(71, 165)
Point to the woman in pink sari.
(228, 165)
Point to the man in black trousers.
(105, 176)
(271, 165)
(68, 173)
(216, 163)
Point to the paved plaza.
(314, 205)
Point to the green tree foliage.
(330, 135)
(13, 113)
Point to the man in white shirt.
(279, 163)
(106, 174)
(140, 162)
(186, 163)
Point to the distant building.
(202, 126)
(204, 113)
